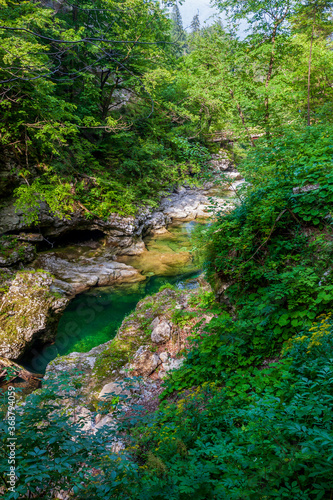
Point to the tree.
(313, 19)
(72, 79)
(178, 31)
(267, 21)
(195, 24)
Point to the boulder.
(164, 356)
(161, 333)
(173, 364)
(168, 365)
(220, 161)
(113, 389)
(155, 322)
(234, 176)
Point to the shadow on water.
(93, 317)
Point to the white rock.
(155, 322)
(117, 447)
(108, 420)
(234, 176)
(164, 356)
(112, 389)
(83, 417)
(173, 364)
(144, 362)
(161, 333)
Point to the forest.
(106, 106)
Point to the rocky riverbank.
(150, 343)
(37, 284)
(29, 312)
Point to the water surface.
(93, 317)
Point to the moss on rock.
(29, 312)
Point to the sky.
(190, 8)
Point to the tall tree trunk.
(268, 79)
(270, 67)
(310, 64)
(242, 117)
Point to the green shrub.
(259, 433)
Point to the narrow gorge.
(166, 246)
(74, 295)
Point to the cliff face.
(29, 312)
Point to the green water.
(93, 317)
(167, 254)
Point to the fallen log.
(11, 373)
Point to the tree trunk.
(242, 117)
(310, 64)
(270, 68)
(268, 79)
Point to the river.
(93, 317)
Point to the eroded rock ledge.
(123, 234)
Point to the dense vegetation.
(249, 415)
(89, 106)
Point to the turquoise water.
(93, 317)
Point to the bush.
(260, 433)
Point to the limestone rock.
(106, 421)
(164, 356)
(82, 416)
(29, 312)
(31, 237)
(112, 389)
(155, 322)
(144, 362)
(13, 251)
(173, 364)
(168, 365)
(220, 161)
(161, 333)
(135, 249)
(234, 176)
(84, 273)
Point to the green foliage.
(255, 418)
(258, 433)
(181, 318)
(205, 300)
(273, 254)
(166, 286)
(48, 189)
(54, 453)
(88, 136)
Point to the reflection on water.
(167, 254)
